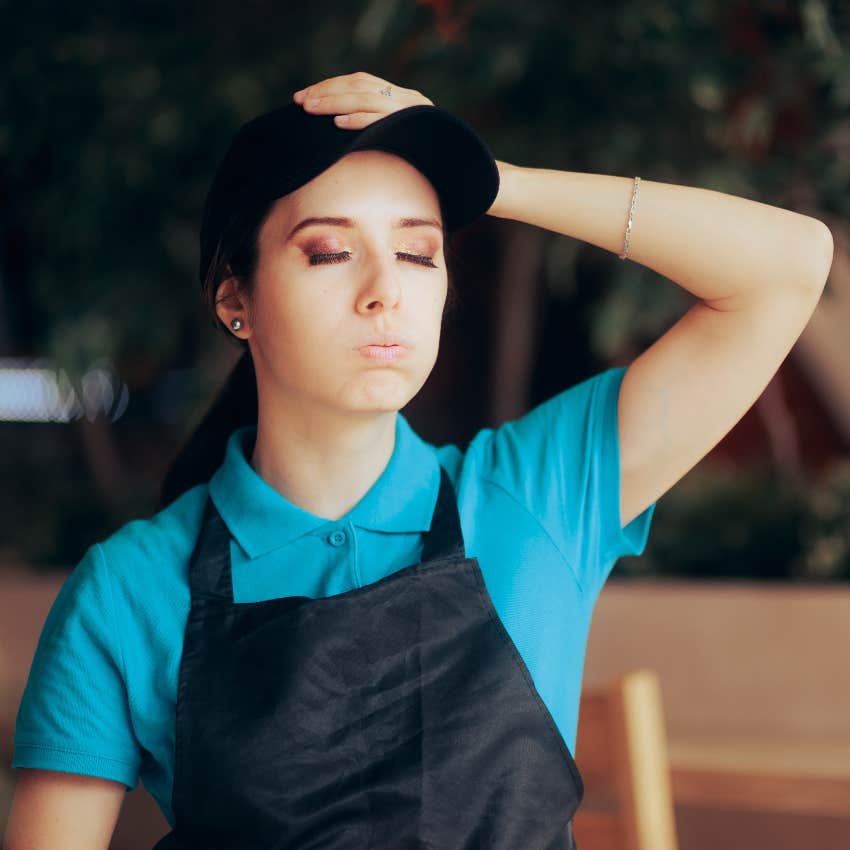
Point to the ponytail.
(234, 407)
(235, 254)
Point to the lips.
(385, 347)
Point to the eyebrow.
(347, 222)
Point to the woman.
(335, 634)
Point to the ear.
(231, 304)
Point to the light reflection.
(32, 390)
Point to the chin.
(380, 396)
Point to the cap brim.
(446, 150)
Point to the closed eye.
(342, 256)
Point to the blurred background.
(113, 117)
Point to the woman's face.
(324, 290)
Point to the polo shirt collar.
(261, 519)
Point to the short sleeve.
(562, 462)
(74, 714)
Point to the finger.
(356, 120)
(359, 81)
(348, 102)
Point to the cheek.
(437, 302)
(288, 310)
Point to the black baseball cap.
(275, 153)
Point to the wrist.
(507, 174)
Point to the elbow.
(819, 254)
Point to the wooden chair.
(621, 753)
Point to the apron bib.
(395, 715)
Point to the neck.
(322, 463)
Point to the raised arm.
(757, 269)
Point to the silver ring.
(386, 91)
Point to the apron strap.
(209, 568)
(444, 539)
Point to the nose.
(381, 289)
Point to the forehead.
(371, 188)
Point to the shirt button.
(336, 538)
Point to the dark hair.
(235, 404)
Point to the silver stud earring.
(236, 323)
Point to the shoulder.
(552, 471)
(554, 435)
(167, 535)
(146, 560)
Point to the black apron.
(395, 715)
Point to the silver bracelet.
(631, 214)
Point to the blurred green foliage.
(750, 523)
(113, 117)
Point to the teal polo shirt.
(539, 506)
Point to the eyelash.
(320, 259)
